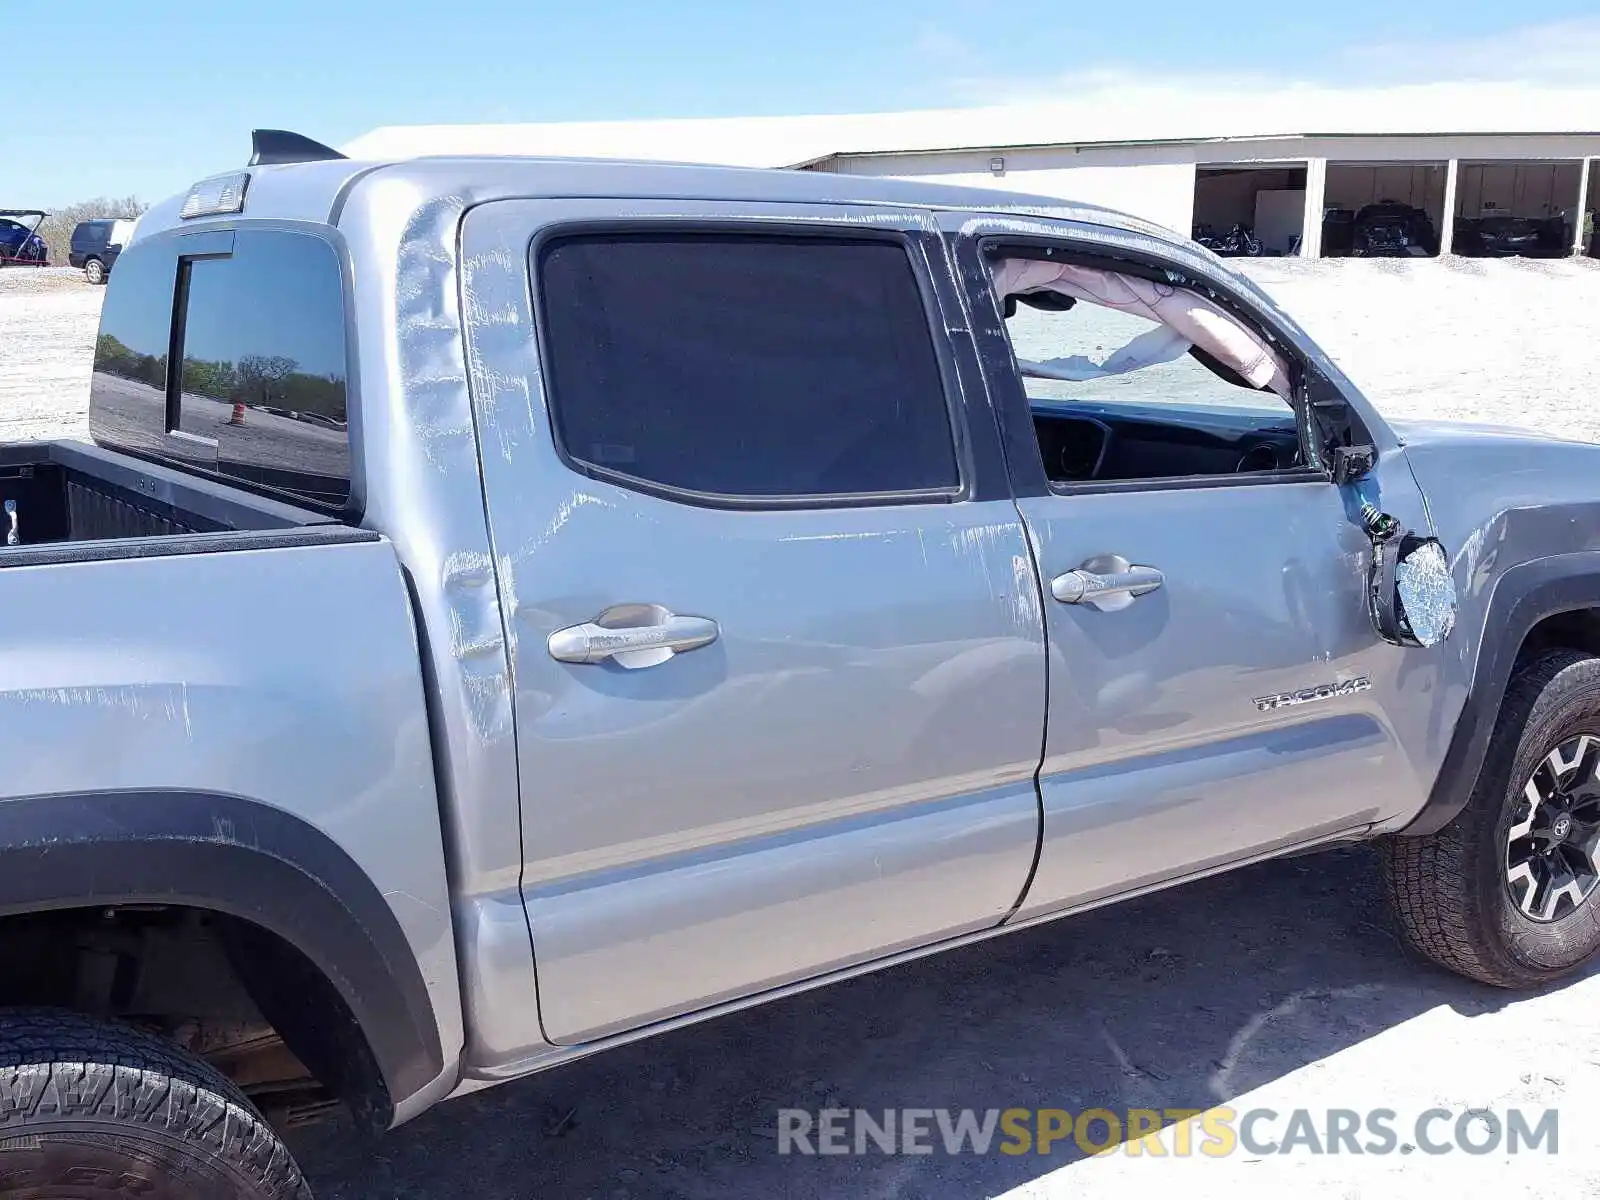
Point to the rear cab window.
(231, 360)
(755, 369)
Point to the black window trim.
(1065, 247)
(176, 343)
(781, 229)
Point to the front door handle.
(1108, 582)
(632, 636)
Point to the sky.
(144, 98)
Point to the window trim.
(782, 230)
(985, 245)
(176, 348)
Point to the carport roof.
(1107, 116)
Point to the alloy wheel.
(1552, 845)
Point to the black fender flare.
(247, 860)
(1523, 596)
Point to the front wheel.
(1505, 893)
(93, 1108)
(94, 271)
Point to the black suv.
(96, 244)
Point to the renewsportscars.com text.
(1213, 1133)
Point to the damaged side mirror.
(1411, 595)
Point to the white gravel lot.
(1277, 986)
(48, 320)
(1507, 341)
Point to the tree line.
(259, 380)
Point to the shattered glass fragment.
(1427, 593)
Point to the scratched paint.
(434, 387)
(1025, 596)
(433, 369)
(500, 357)
(477, 640)
(165, 702)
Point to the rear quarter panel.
(287, 676)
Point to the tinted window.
(746, 366)
(264, 363)
(128, 393)
(261, 395)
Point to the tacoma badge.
(1322, 691)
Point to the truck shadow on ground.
(1180, 1000)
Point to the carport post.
(1584, 166)
(1447, 219)
(1311, 223)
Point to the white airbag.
(1183, 319)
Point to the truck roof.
(318, 190)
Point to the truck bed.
(72, 492)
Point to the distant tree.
(260, 378)
(114, 358)
(56, 229)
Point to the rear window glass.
(746, 366)
(261, 392)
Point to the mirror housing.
(1411, 595)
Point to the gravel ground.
(48, 319)
(1277, 987)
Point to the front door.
(779, 661)
(1217, 692)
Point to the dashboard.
(1087, 442)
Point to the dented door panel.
(1241, 708)
(845, 771)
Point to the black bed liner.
(73, 492)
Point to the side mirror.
(1411, 596)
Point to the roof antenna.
(271, 147)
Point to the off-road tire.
(93, 1108)
(1448, 889)
(95, 271)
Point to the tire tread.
(1431, 882)
(57, 1064)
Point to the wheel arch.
(256, 864)
(1544, 602)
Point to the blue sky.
(144, 97)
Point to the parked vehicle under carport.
(1390, 229)
(1508, 237)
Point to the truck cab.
(532, 604)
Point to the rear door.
(778, 654)
(1236, 701)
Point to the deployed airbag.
(1183, 319)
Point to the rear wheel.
(92, 1108)
(94, 271)
(1506, 893)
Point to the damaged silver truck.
(510, 608)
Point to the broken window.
(1132, 379)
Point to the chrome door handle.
(1108, 582)
(631, 635)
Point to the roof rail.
(270, 147)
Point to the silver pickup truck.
(513, 607)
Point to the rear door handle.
(632, 636)
(1108, 582)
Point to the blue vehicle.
(20, 242)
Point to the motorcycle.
(1238, 242)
